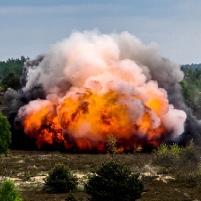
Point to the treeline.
(10, 72)
(191, 87)
(12, 66)
(192, 66)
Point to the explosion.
(91, 86)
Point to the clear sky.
(29, 27)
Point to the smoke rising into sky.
(91, 85)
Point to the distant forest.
(191, 66)
(191, 87)
(11, 70)
(12, 65)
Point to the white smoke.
(102, 63)
(117, 62)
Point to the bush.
(188, 166)
(111, 144)
(60, 180)
(8, 192)
(113, 181)
(5, 134)
(183, 162)
(167, 155)
(190, 155)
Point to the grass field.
(27, 169)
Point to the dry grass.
(27, 170)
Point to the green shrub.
(60, 180)
(182, 162)
(111, 144)
(198, 173)
(8, 192)
(190, 155)
(5, 134)
(166, 155)
(187, 168)
(113, 181)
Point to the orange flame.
(99, 85)
(86, 121)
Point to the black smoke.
(51, 75)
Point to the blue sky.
(29, 27)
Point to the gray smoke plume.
(102, 63)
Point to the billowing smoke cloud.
(90, 86)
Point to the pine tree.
(5, 134)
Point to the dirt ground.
(27, 169)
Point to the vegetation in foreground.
(60, 180)
(114, 181)
(180, 176)
(8, 192)
(5, 134)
